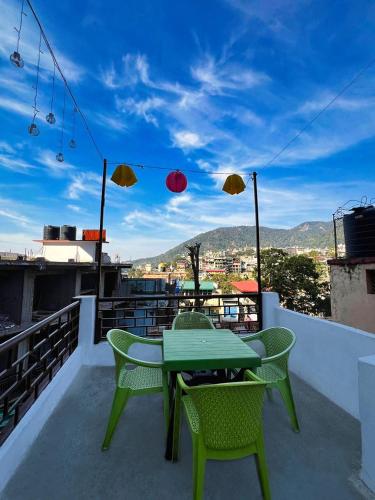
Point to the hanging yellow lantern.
(234, 184)
(124, 176)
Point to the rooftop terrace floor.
(66, 461)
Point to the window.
(370, 279)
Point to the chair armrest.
(181, 383)
(249, 375)
(142, 362)
(269, 359)
(144, 340)
(253, 336)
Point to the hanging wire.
(48, 45)
(33, 129)
(51, 117)
(60, 155)
(15, 57)
(154, 167)
(72, 142)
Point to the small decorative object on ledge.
(176, 182)
(234, 184)
(124, 176)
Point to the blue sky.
(213, 86)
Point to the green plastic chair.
(147, 378)
(192, 320)
(225, 422)
(278, 342)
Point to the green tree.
(297, 279)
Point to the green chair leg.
(166, 400)
(119, 401)
(260, 459)
(199, 466)
(177, 424)
(286, 393)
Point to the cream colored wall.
(80, 251)
(350, 302)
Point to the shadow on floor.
(66, 461)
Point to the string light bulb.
(15, 57)
(33, 130)
(50, 118)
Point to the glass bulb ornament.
(33, 129)
(72, 144)
(16, 59)
(60, 157)
(51, 118)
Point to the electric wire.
(82, 115)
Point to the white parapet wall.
(101, 354)
(366, 368)
(339, 362)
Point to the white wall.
(326, 353)
(62, 251)
(366, 367)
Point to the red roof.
(245, 286)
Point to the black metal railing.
(149, 315)
(30, 360)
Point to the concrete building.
(31, 290)
(353, 292)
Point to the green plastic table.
(185, 350)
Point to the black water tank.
(68, 233)
(51, 233)
(359, 232)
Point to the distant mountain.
(313, 234)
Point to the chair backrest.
(120, 341)
(191, 320)
(230, 415)
(277, 340)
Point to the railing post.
(86, 329)
(270, 304)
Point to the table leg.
(172, 396)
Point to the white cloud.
(187, 140)
(84, 183)
(47, 158)
(134, 69)
(15, 217)
(143, 108)
(16, 164)
(218, 77)
(75, 208)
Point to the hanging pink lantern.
(176, 181)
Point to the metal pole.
(257, 233)
(335, 234)
(100, 246)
